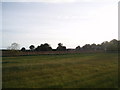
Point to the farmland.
(82, 70)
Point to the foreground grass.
(92, 70)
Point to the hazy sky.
(71, 22)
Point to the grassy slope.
(64, 71)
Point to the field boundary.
(29, 53)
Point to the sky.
(71, 22)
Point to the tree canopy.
(44, 47)
(32, 47)
(61, 47)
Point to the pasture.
(83, 70)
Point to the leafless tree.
(14, 46)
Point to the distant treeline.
(113, 45)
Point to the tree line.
(45, 47)
(113, 45)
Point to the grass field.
(85, 70)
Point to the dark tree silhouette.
(23, 49)
(60, 44)
(113, 45)
(87, 47)
(99, 47)
(32, 47)
(38, 48)
(61, 47)
(44, 47)
(94, 47)
(78, 48)
(105, 45)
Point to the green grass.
(86, 70)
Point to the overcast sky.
(71, 22)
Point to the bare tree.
(14, 46)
